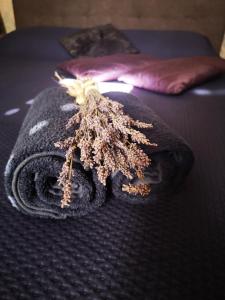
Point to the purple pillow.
(106, 67)
(172, 76)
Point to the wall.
(222, 50)
(204, 16)
(7, 14)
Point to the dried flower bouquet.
(106, 137)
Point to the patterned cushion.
(98, 41)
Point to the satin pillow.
(106, 67)
(173, 76)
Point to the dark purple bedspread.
(173, 248)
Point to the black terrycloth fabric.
(35, 163)
(98, 41)
(171, 160)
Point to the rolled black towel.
(34, 165)
(172, 159)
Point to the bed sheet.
(172, 249)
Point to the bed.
(172, 249)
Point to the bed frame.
(204, 16)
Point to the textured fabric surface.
(202, 16)
(25, 43)
(173, 76)
(104, 68)
(171, 249)
(168, 76)
(171, 160)
(35, 163)
(97, 41)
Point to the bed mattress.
(171, 249)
